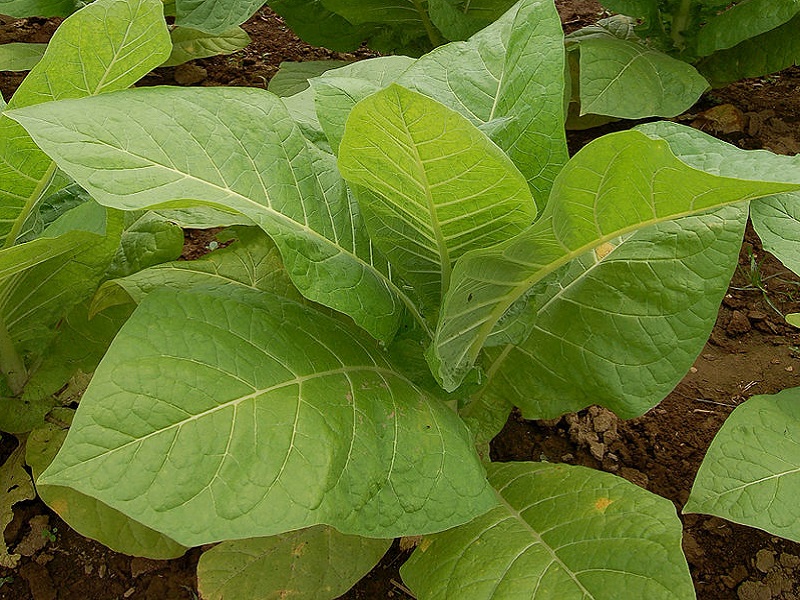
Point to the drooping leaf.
(777, 222)
(509, 80)
(751, 472)
(149, 241)
(20, 56)
(560, 532)
(617, 184)
(459, 19)
(188, 44)
(439, 186)
(744, 21)
(319, 26)
(105, 46)
(292, 77)
(143, 156)
(16, 486)
(317, 563)
(87, 515)
(214, 16)
(225, 416)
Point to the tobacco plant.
(414, 253)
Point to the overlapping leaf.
(777, 222)
(224, 416)
(188, 44)
(214, 16)
(236, 149)
(560, 532)
(744, 21)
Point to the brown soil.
(751, 351)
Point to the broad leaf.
(292, 77)
(237, 415)
(744, 21)
(214, 16)
(560, 532)
(188, 44)
(751, 472)
(617, 184)
(38, 8)
(508, 79)
(439, 186)
(88, 516)
(148, 241)
(20, 56)
(107, 45)
(318, 26)
(777, 222)
(459, 19)
(317, 563)
(233, 148)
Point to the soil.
(751, 351)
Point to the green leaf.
(38, 8)
(761, 55)
(560, 532)
(20, 415)
(214, 16)
(509, 80)
(626, 320)
(439, 186)
(225, 416)
(20, 56)
(318, 563)
(107, 45)
(777, 222)
(150, 240)
(16, 486)
(793, 319)
(744, 21)
(629, 80)
(292, 77)
(459, 19)
(262, 167)
(318, 26)
(87, 515)
(188, 44)
(751, 472)
(615, 185)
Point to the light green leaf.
(761, 55)
(163, 148)
(16, 485)
(751, 472)
(188, 44)
(615, 185)
(237, 415)
(87, 515)
(214, 16)
(508, 78)
(439, 186)
(202, 217)
(744, 21)
(629, 80)
(38, 8)
(20, 56)
(793, 319)
(777, 222)
(626, 320)
(560, 532)
(318, 563)
(150, 240)
(105, 46)
(292, 77)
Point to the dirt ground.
(751, 351)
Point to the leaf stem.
(680, 23)
(11, 364)
(433, 34)
(30, 204)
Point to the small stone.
(597, 449)
(790, 368)
(765, 560)
(140, 565)
(568, 458)
(188, 74)
(692, 549)
(790, 561)
(693, 369)
(737, 575)
(739, 323)
(604, 421)
(778, 583)
(754, 590)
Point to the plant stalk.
(433, 34)
(680, 23)
(11, 363)
(30, 204)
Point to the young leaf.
(233, 415)
(107, 45)
(188, 44)
(777, 222)
(234, 148)
(20, 56)
(617, 184)
(751, 473)
(509, 80)
(317, 563)
(560, 532)
(439, 186)
(150, 240)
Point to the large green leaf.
(88, 516)
(509, 80)
(751, 472)
(107, 45)
(625, 321)
(777, 222)
(629, 80)
(744, 21)
(214, 16)
(763, 54)
(188, 44)
(20, 56)
(560, 532)
(317, 563)
(440, 186)
(617, 184)
(459, 19)
(225, 416)
(234, 148)
(318, 26)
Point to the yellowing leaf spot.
(603, 250)
(602, 504)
